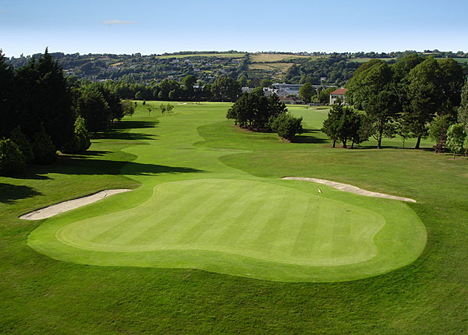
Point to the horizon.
(148, 27)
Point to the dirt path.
(66, 206)
(351, 189)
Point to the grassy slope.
(41, 295)
(229, 222)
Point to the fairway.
(194, 211)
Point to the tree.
(425, 98)
(463, 109)
(44, 149)
(287, 126)
(373, 90)
(12, 161)
(451, 82)
(226, 89)
(93, 107)
(306, 92)
(438, 131)
(189, 81)
(81, 141)
(44, 98)
(457, 139)
(345, 123)
(23, 144)
(7, 99)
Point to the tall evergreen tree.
(44, 99)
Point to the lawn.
(181, 162)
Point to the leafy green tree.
(226, 89)
(12, 161)
(287, 126)
(345, 123)
(438, 131)
(127, 107)
(265, 83)
(424, 94)
(457, 139)
(451, 82)
(373, 90)
(463, 109)
(306, 92)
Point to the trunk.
(334, 142)
(418, 142)
(379, 140)
(344, 144)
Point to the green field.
(276, 257)
(212, 217)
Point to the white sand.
(351, 189)
(66, 206)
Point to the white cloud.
(114, 22)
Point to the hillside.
(206, 66)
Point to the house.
(338, 94)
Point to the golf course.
(212, 238)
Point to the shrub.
(23, 144)
(12, 160)
(43, 149)
(286, 126)
(81, 140)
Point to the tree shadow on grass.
(309, 138)
(10, 193)
(120, 131)
(77, 165)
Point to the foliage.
(81, 141)
(438, 131)
(306, 92)
(23, 144)
(44, 149)
(44, 98)
(463, 109)
(345, 123)
(255, 111)
(287, 126)
(12, 160)
(457, 139)
(94, 108)
(128, 107)
(372, 89)
(226, 89)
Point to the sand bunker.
(66, 206)
(351, 189)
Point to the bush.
(23, 144)
(286, 125)
(43, 149)
(12, 160)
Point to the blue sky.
(155, 27)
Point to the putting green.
(249, 218)
(195, 212)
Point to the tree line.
(43, 112)
(413, 98)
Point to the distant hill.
(206, 66)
